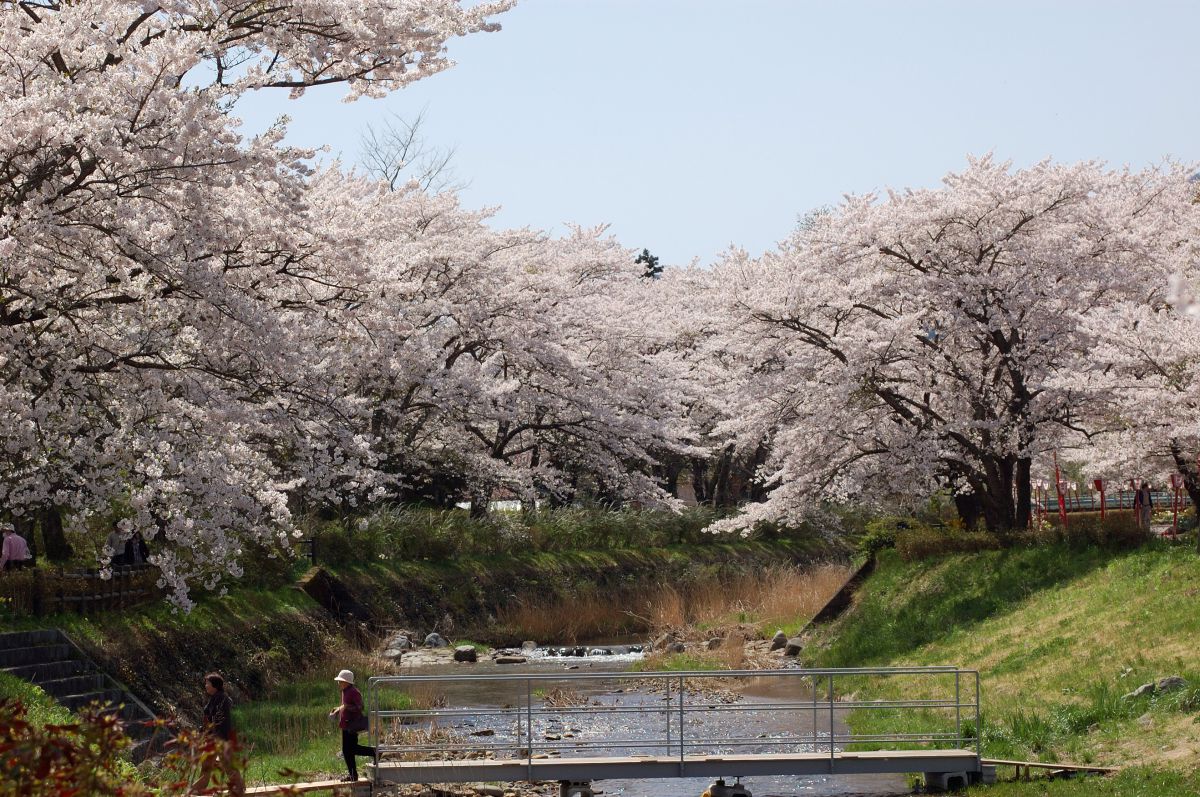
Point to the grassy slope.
(1058, 635)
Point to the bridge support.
(946, 781)
(719, 789)
(575, 788)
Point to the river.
(644, 721)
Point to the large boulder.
(466, 653)
(779, 640)
(674, 647)
(664, 640)
(528, 645)
(1144, 689)
(510, 659)
(436, 640)
(793, 647)
(1172, 683)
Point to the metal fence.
(667, 714)
(1116, 499)
(41, 591)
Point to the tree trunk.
(479, 503)
(57, 547)
(699, 486)
(969, 509)
(1024, 493)
(25, 526)
(1002, 511)
(1191, 479)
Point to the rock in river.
(436, 640)
(466, 653)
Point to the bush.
(881, 533)
(1116, 530)
(407, 532)
(924, 542)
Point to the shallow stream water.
(735, 715)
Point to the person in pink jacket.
(14, 553)
(352, 720)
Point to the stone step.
(78, 701)
(130, 713)
(47, 671)
(37, 654)
(74, 685)
(28, 639)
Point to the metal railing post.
(681, 726)
(667, 712)
(814, 718)
(957, 710)
(978, 721)
(529, 725)
(831, 723)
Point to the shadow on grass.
(906, 605)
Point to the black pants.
(351, 748)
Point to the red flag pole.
(1058, 485)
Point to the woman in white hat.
(352, 720)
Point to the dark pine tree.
(653, 269)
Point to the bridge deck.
(745, 765)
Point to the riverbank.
(278, 645)
(1061, 637)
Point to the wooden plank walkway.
(335, 788)
(1028, 765)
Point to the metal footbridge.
(576, 728)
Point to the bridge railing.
(563, 716)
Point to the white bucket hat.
(345, 675)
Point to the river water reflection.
(779, 730)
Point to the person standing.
(1143, 506)
(352, 720)
(14, 552)
(218, 723)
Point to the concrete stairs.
(49, 659)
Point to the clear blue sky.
(690, 125)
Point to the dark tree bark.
(969, 510)
(57, 547)
(1191, 477)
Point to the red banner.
(1058, 486)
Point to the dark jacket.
(352, 706)
(218, 714)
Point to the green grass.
(1058, 635)
(40, 708)
(290, 731)
(677, 662)
(479, 646)
(1134, 782)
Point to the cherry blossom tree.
(920, 340)
(501, 359)
(156, 265)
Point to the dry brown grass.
(569, 620)
(780, 596)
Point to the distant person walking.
(218, 722)
(14, 552)
(1143, 506)
(352, 720)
